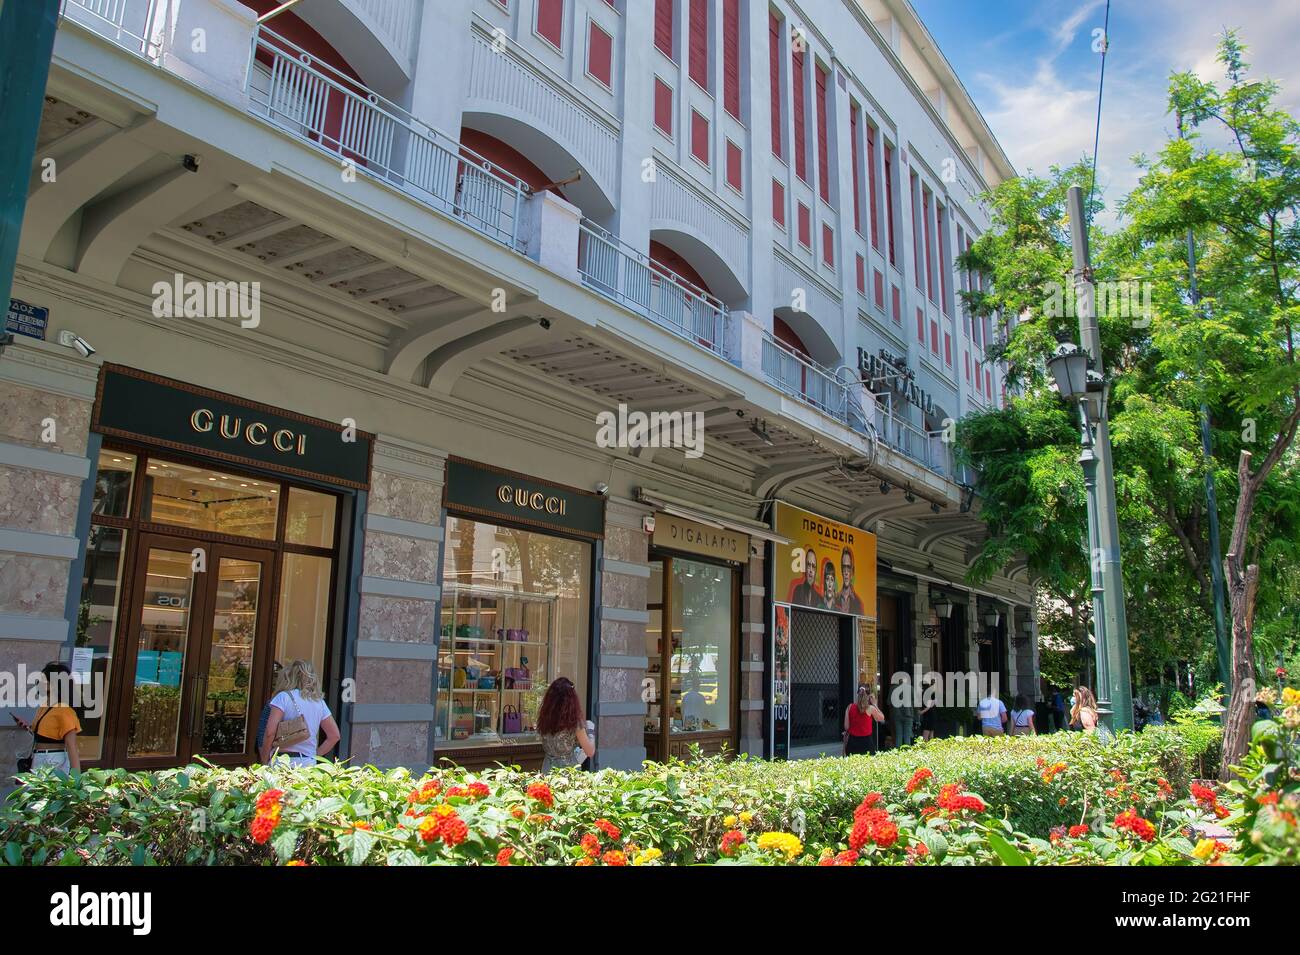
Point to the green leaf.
(284, 845)
(362, 842)
(13, 853)
(1008, 853)
(934, 841)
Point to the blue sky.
(1031, 69)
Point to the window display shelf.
(486, 616)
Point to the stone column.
(442, 65)
(974, 625)
(1013, 669)
(392, 718)
(46, 394)
(754, 678)
(624, 580)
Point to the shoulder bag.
(291, 732)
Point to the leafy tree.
(1235, 344)
(1229, 349)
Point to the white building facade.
(361, 281)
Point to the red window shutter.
(664, 26)
(947, 349)
(889, 201)
(879, 280)
(778, 203)
(805, 226)
(988, 383)
(735, 175)
(934, 337)
(968, 366)
(550, 21)
(800, 133)
(916, 232)
(600, 55)
(774, 63)
(828, 245)
(929, 246)
(823, 149)
(731, 57)
(699, 137)
(663, 107)
(979, 382)
(699, 42)
(897, 305)
(871, 185)
(940, 230)
(856, 153)
(920, 327)
(862, 274)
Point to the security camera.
(602, 488)
(73, 340)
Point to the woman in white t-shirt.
(300, 696)
(1022, 718)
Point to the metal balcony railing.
(297, 92)
(627, 276)
(128, 23)
(813, 384)
(925, 447)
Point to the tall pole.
(1111, 621)
(26, 42)
(1222, 651)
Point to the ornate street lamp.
(942, 607)
(1084, 387)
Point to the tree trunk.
(1242, 584)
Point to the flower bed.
(977, 800)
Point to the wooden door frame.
(129, 650)
(668, 558)
(262, 649)
(137, 532)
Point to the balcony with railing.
(619, 272)
(813, 384)
(293, 90)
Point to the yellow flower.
(782, 842)
(1290, 696)
(645, 856)
(729, 822)
(746, 818)
(1204, 849)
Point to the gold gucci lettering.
(232, 428)
(531, 500)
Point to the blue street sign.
(25, 319)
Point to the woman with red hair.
(562, 726)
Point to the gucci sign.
(531, 500)
(256, 433)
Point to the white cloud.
(1066, 31)
(1050, 119)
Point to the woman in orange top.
(55, 726)
(858, 723)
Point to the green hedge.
(203, 815)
